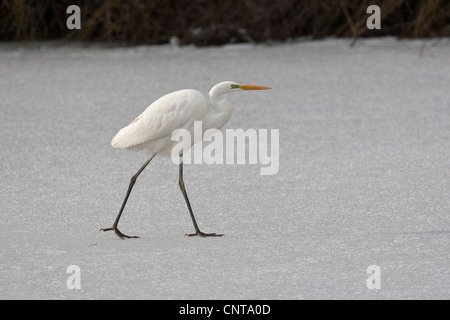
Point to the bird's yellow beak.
(252, 87)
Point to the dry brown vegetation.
(212, 22)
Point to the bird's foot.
(118, 233)
(203, 235)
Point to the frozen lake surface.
(364, 176)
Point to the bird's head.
(229, 86)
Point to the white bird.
(152, 131)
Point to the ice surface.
(363, 179)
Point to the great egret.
(152, 131)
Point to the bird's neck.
(219, 113)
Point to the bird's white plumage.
(153, 128)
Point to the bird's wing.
(173, 111)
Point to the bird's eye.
(234, 86)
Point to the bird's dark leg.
(130, 187)
(183, 190)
